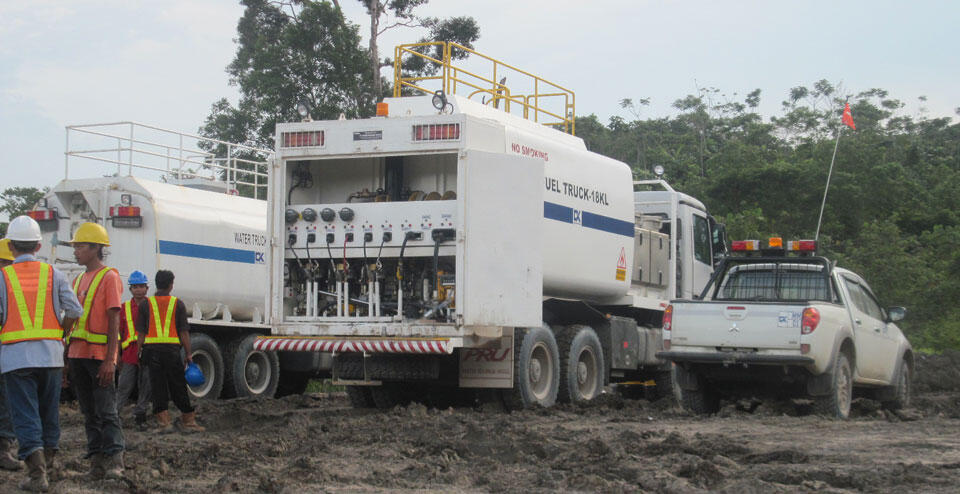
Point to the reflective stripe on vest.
(44, 324)
(80, 331)
(131, 332)
(160, 333)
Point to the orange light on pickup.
(775, 243)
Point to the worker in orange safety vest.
(93, 350)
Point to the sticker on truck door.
(789, 320)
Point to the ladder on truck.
(445, 66)
(171, 156)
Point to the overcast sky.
(162, 61)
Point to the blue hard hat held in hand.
(194, 375)
(137, 278)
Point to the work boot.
(96, 471)
(113, 466)
(7, 460)
(53, 466)
(188, 422)
(140, 420)
(36, 473)
(164, 423)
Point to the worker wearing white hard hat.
(7, 437)
(92, 353)
(31, 349)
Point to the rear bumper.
(735, 358)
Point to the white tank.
(214, 243)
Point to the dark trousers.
(99, 406)
(167, 381)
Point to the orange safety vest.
(164, 331)
(131, 332)
(80, 332)
(30, 314)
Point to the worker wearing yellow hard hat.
(6, 255)
(31, 350)
(93, 350)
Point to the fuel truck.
(464, 243)
(168, 204)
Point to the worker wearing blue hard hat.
(162, 330)
(131, 372)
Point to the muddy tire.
(206, 354)
(581, 364)
(701, 401)
(360, 397)
(250, 372)
(902, 389)
(293, 383)
(837, 403)
(388, 395)
(536, 370)
(664, 386)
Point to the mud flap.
(490, 366)
(821, 385)
(686, 379)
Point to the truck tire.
(581, 364)
(293, 383)
(536, 370)
(837, 403)
(700, 401)
(902, 388)
(206, 354)
(250, 372)
(360, 397)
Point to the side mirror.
(895, 314)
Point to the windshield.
(774, 281)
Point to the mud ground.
(316, 443)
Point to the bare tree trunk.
(375, 9)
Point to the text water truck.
(194, 224)
(793, 326)
(450, 244)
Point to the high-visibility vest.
(164, 331)
(80, 332)
(30, 314)
(131, 331)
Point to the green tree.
(17, 201)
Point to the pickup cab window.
(863, 299)
(774, 281)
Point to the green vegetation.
(893, 209)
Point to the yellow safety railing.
(534, 97)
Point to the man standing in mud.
(162, 329)
(131, 372)
(31, 349)
(92, 352)
(7, 437)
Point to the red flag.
(848, 117)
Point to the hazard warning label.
(622, 265)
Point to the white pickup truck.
(793, 326)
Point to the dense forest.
(893, 208)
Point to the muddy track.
(316, 443)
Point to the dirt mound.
(937, 372)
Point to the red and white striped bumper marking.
(340, 346)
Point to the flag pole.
(829, 174)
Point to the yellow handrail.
(554, 107)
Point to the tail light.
(436, 132)
(811, 318)
(667, 326)
(126, 217)
(302, 139)
(39, 215)
(802, 245)
(745, 245)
